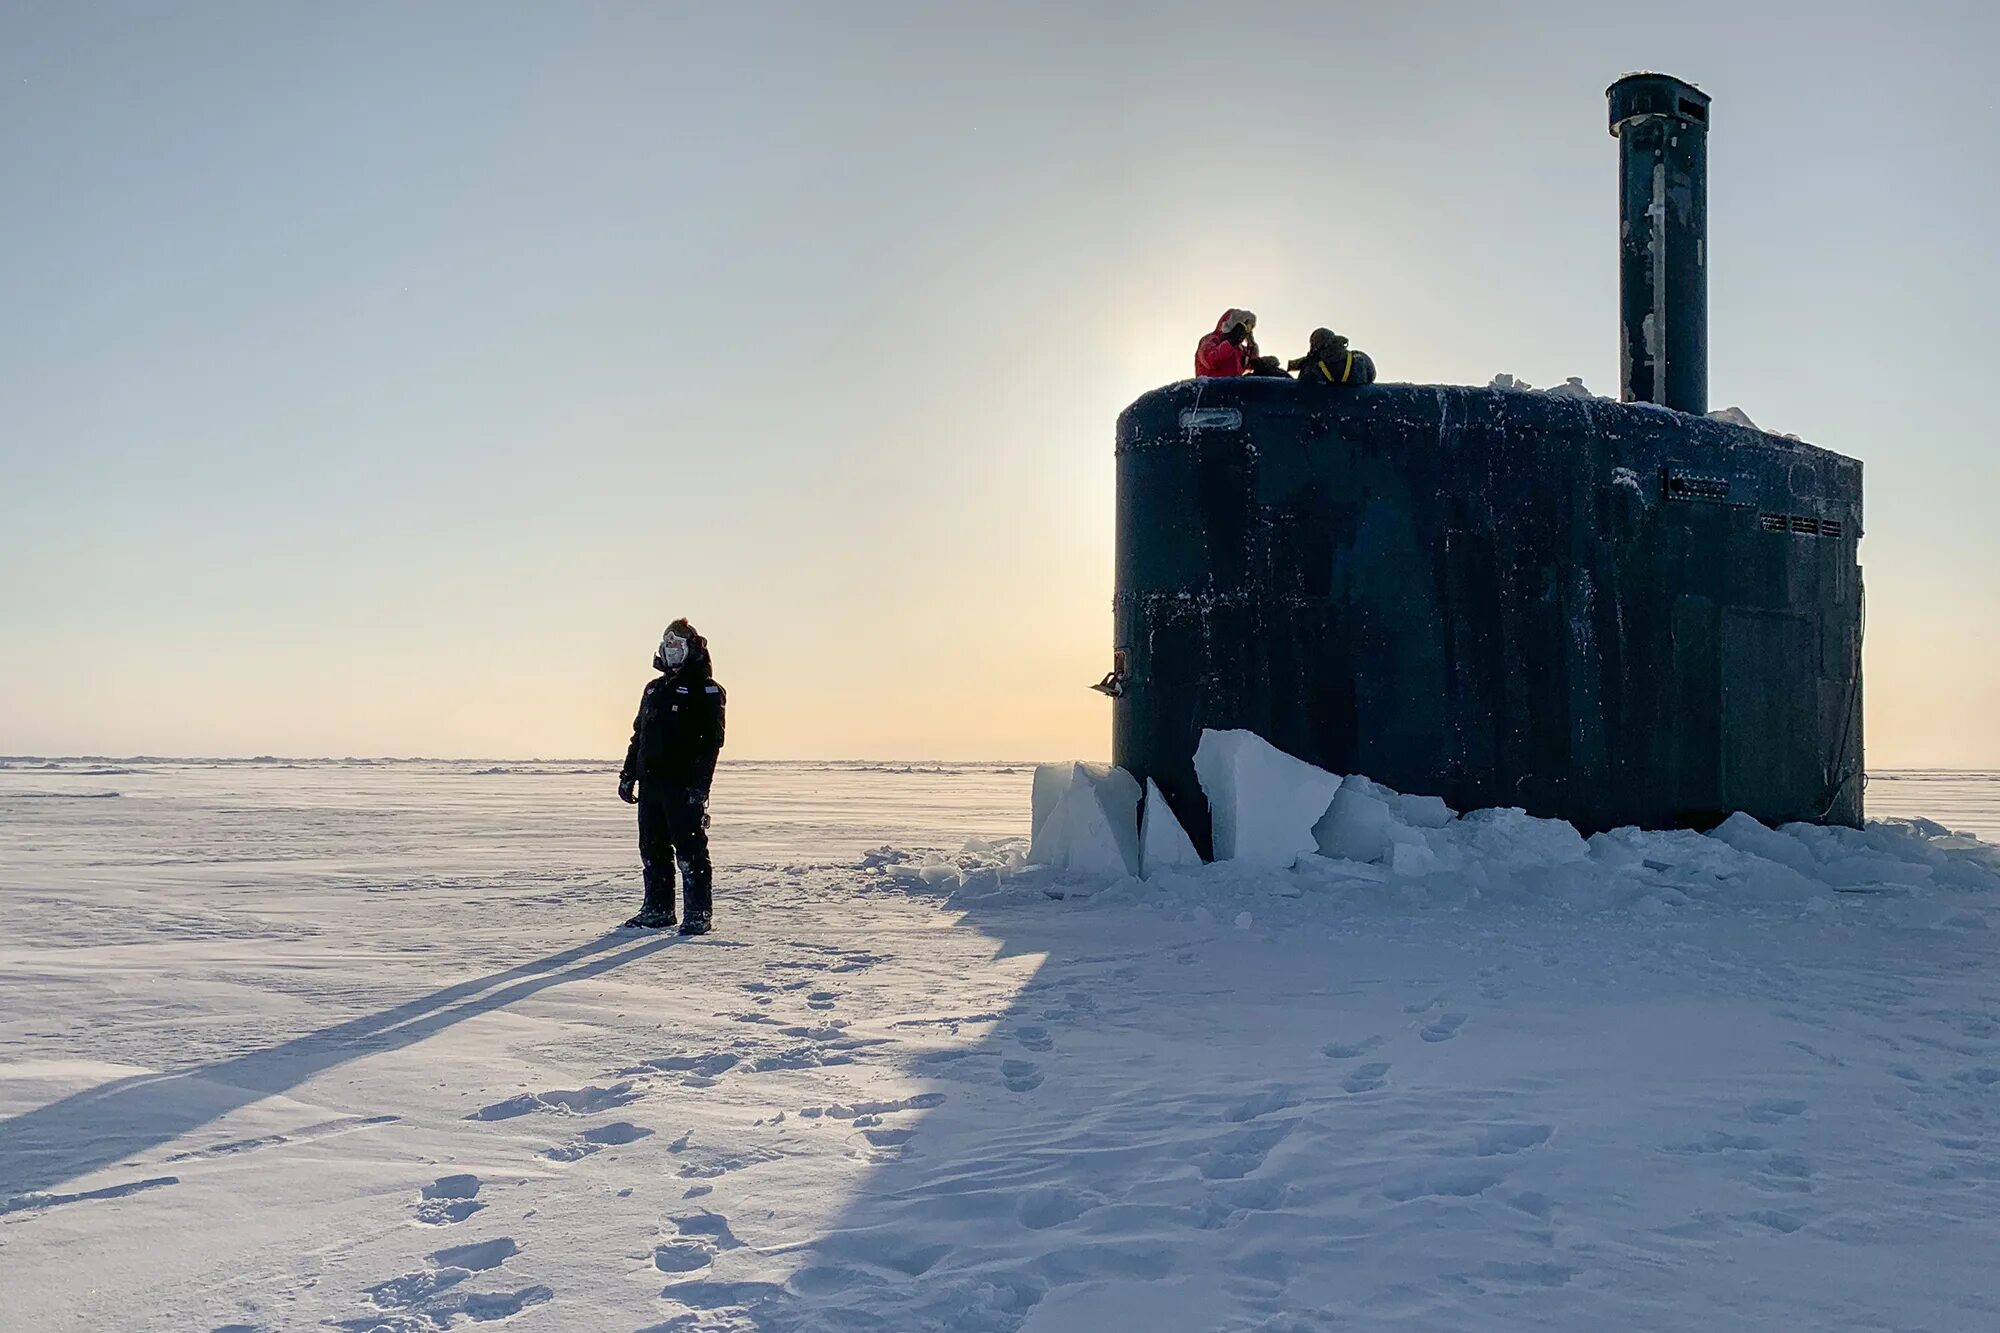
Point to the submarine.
(1611, 613)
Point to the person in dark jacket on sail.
(1330, 361)
(668, 770)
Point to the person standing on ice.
(669, 767)
(1231, 350)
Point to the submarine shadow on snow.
(1097, 1136)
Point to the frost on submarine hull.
(1605, 613)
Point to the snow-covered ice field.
(351, 1045)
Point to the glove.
(626, 792)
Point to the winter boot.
(658, 912)
(696, 874)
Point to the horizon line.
(7, 761)
(594, 761)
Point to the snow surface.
(346, 1045)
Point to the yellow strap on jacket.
(1345, 370)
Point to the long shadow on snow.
(1127, 1112)
(129, 1116)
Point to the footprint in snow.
(710, 1165)
(835, 959)
(682, 1257)
(1782, 1223)
(433, 1296)
(1243, 1151)
(1786, 1173)
(596, 1140)
(713, 1226)
(1505, 1140)
(1773, 1110)
(708, 1065)
(697, 1239)
(1042, 1208)
(888, 1138)
(1534, 1204)
(1443, 1028)
(411, 1289)
(448, 1200)
(1020, 1075)
(1367, 1078)
(1034, 1038)
(577, 1101)
(1348, 1050)
(1273, 1099)
(477, 1257)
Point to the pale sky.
(379, 378)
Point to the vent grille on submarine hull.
(1500, 598)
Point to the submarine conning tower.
(1605, 613)
(1609, 613)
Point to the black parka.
(1336, 366)
(678, 733)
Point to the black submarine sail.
(1607, 613)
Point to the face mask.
(674, 652)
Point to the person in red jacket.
(1224, 353)
(1232, 349)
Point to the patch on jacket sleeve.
(715, 689)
